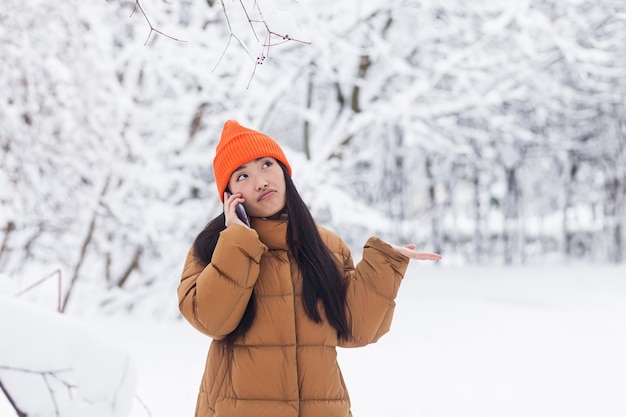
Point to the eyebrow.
(244, 166)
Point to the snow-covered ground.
(466, 341)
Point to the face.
(261, 183)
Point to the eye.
(268, 163)
(242, 177)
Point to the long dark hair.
(321, 273)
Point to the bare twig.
(268, 37)
(252, 75)
(232, 35)
(19, 412)
(248, 17)
(265, 51)
(7, 231)
(45, 375)
(52, 397)
(272, 38)
(134, 264)
(152, 28)
(143, 404)
(86, 243)
(41, 281)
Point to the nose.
(261, 183)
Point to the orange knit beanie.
(239, 145)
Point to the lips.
(265, 195)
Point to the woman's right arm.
(213, 298)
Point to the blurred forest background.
(490, 131)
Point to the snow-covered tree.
(488, 131)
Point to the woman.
(279, 296)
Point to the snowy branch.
(451, 80)
(77, 370)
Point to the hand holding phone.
(241, 213)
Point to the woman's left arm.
(373, 286)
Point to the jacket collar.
(273, 233)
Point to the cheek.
(279, 178)
(241, 187)
(232, 185)
(234, 189)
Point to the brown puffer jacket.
(285, 365)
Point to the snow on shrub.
(53, 365)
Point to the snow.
(53, 365)
(539, 341)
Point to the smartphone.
(241, 213)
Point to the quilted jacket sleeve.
(213, 298)
(372, 289)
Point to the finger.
(231, 197)
(429, 256)
(230, 212)
(231, 201)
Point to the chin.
(271, 213)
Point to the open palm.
(409, 252)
